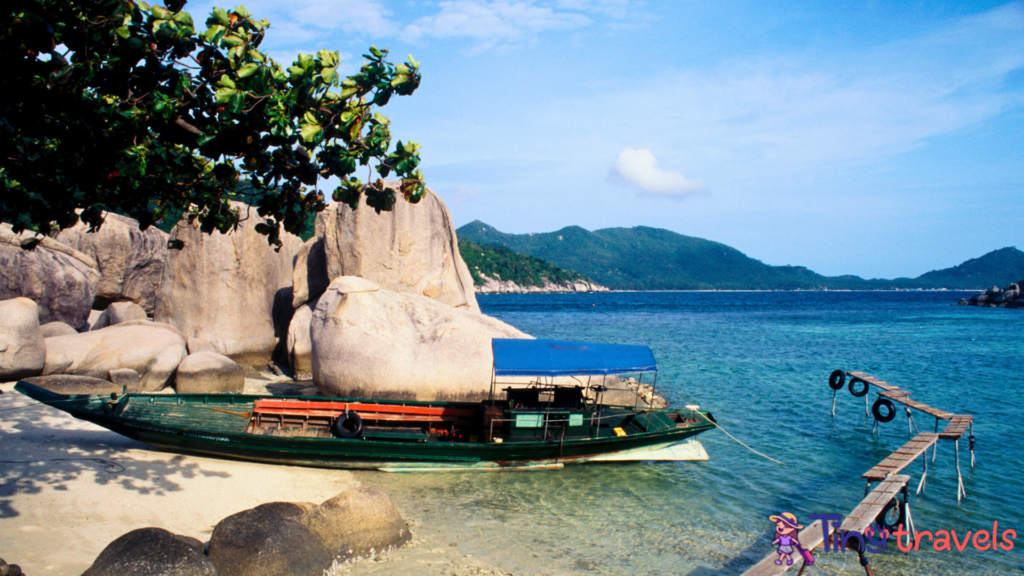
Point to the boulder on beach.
(412, 248)
(373, 343)
(22, 348)
(119, 312)
(152, 552)
(73, 384)
(51, 329)
(360, 522)
(300, 346)
(130, 260)
(152, 349)
(223, 288)
(209, 373)
(60, 279)
(266, 540)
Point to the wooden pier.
(892, 485)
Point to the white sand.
(68, 488)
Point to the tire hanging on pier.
(837, 379)
(348, 426)
(861, 392)
(883, 405)
(893, 515)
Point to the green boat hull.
(216, 425)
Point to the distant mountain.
(644, 258)
(495, 262)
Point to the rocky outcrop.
(374, 343)
(152, 552)
(499, 286)
(411, 249)
(309, 278)
(232, 290)
(300, 346)
(130, 260)
(995, 297)
(119, 312)
(60, 279)
(209, 373)
(358, 523)
(22, 349)
(262, 540)
(152, 349)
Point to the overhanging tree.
(116, 105)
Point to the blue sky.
(880, 139)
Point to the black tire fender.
(349, 425)
(877, 409)
(837, 380)
(861, 392)
(901, 517)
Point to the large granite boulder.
(374, 343)
(152, 552)
(412, 249)
(358, 523)
(51, 329)
(209, 373)
(300, 346)
(119, 312)
(22, 349)
(309, 278)
(232, 290)
(152, 349)
(71, 384)
(267, 539)
(60, 279)
(130, 260)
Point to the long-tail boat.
(536, 420)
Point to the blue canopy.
(516, 357)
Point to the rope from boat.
(737, 440)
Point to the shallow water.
(760, 362)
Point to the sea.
(760, 362)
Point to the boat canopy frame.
(543, 360)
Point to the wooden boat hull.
(216, 425)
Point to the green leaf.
(161, 13)
(226, 82)
(328, 58)
(233, 40)
(224, 95)
(248, 70)
(328, 74)
(220, 16)
(376, 52)
(312, 133)
(122, 31)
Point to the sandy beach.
(68, 488)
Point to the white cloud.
(638, 168)
(492, 22)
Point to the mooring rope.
(737, 440)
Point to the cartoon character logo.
(787, 540)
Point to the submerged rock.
(152, 552)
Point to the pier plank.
(865, 513)
(810, 538)
(957, 426)
(902, 457)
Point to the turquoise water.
(760, 362)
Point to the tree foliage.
(121, 106)
(501, 263)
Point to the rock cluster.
(994, 297)
(298, 539)
(372, 305)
